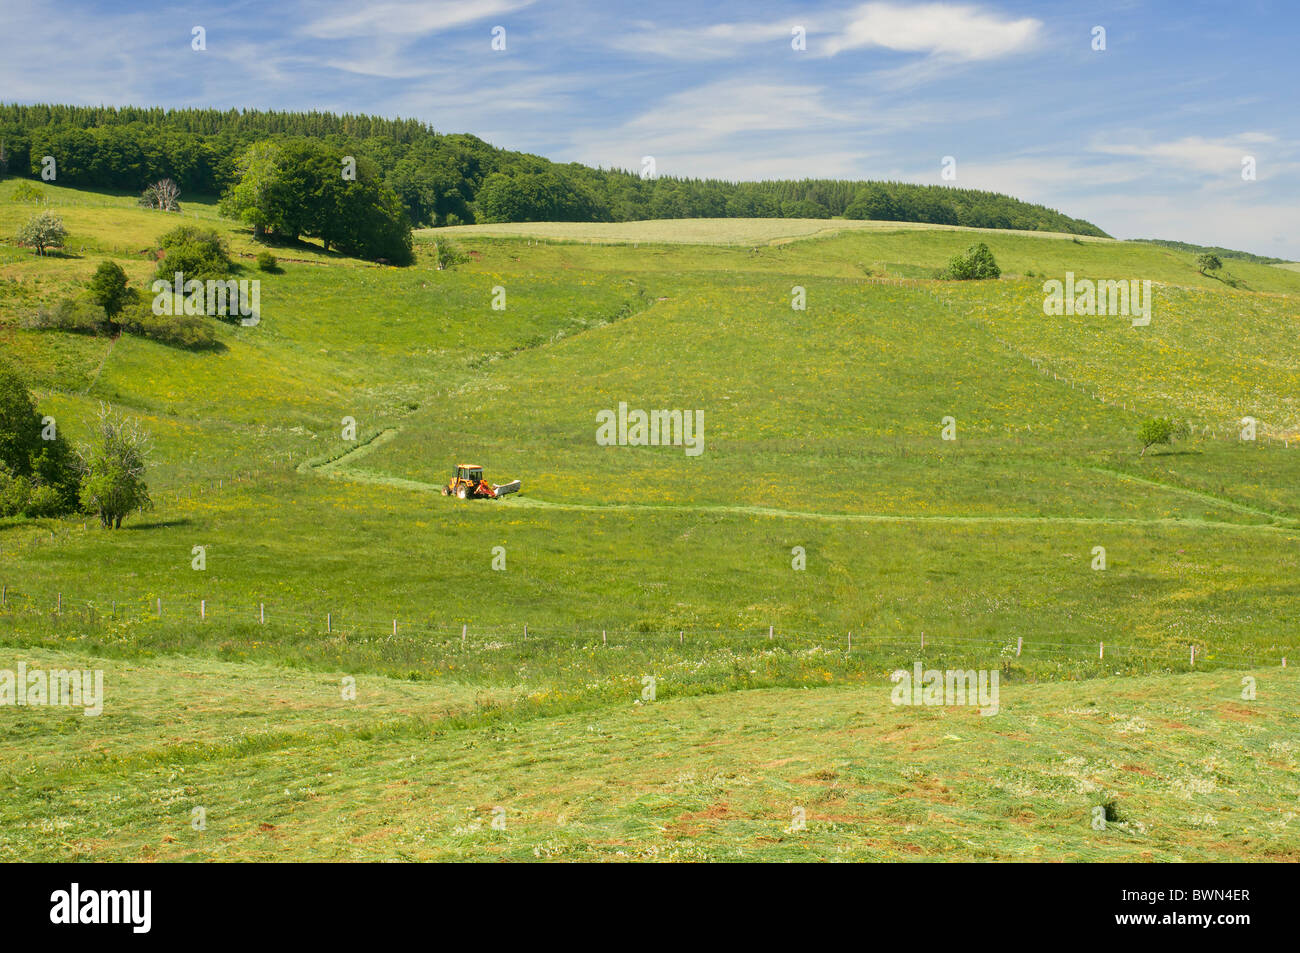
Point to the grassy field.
(702, 231)
(329, 559)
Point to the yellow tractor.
(468, 484)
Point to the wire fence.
(358, 626)
(352, 623)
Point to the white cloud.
(408, 19)
(958, 31)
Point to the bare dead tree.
(163, 195)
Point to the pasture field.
(701, 231)
(333, 562)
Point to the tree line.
(441, 179)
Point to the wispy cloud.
(957, 32)
(404, 19)
(718, 41)
(1214, 156)
(960, 31)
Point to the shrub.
(74, 315)
(197, 253)
(449, 254)
(266, 261)
(185, 331)
(976, 264)
(25, 191)
(44, 501)
(15, 492)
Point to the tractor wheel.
(460, 494)
(446, 491)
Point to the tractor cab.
(467, 483)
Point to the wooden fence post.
(463, 628)
(1020, 644)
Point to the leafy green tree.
(419, 187)
(19, 424)
(108, 288)
(1160, 430)
(253, 198)
(513, 198)
(803, 208)
(297, 189)
(112, 484)
(1208, 262)
(874, 202)
(43, 230)
(34, 456)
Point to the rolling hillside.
(821, 431)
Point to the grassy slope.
(977, 543)
(1187, 769)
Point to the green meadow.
(650, 654)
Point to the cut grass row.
(1182, 767)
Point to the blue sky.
(1145, 138)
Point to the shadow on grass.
(156, 524)
(1228, 280)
